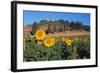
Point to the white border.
(29, 65)
(84, 2)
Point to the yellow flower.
(40, 34)
(53, 40)
(63, 39)
(76, 39)
(68, 42)
(39, 42)
(49, 42)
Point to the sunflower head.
(68, 42)
(63, 39)
(49, 42)
(40, 34)
(76, 39)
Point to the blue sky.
(36, 16)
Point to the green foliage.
(40, 23)
(79, 49)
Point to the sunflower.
(63, 39)
(49, 42)
(68, 42)
(53, 40)
(76, 39)
(40, 34)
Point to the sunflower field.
(39, 48)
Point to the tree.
(49, 27)
(34, 28)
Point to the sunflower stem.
(74, 52)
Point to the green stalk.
(74, 52)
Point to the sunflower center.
(49, 41)
(68, 42)
(40, 34)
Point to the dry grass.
(68, 34)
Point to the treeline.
(51, 26)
